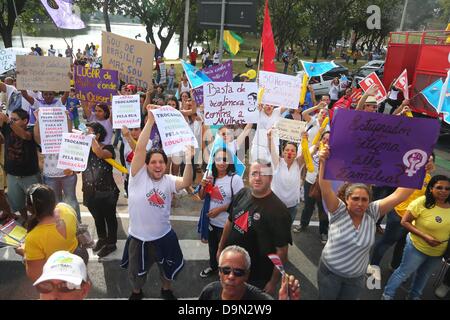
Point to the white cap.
(65, 266)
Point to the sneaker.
(100, 244)
(323, 238)
(375, 271)
(207, 272)
(442, 291)
(107, 249)
(167, 295)
(136, 296)
(298, 229)
(385, 297)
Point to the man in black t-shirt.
(21, 160)
(260, 223)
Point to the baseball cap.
(65, 266)
(371, 100)
(250, 74)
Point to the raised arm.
(86, 109)
(241, 138)
(64, 97)
(148, 98)
(186, 180)
(370, 92)
(403, 108)
(306, 115)
(273, 149)
(27, 97)
(328, 195)
(141, 147)
(36, 128)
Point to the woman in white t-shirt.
(334, 91)
(286, 176)
(221, 186)
(149, 203)
(184, 85)
(268, 117)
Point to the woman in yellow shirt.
(428, 221)
(52, 228)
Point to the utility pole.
(185, 31)
(403, 15)
(18, 22)
(222, 24)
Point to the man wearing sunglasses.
(64, 277)
(259, 222)
(234, 270)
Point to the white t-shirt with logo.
(286, 183)
(149, 205)
(260, 144)
(221, 195)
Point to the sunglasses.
(442, 188)
(236, 271)
(63, 287)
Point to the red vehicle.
(426, 56)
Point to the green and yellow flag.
(448, 29)
(232, 42)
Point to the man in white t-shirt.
(51, 51)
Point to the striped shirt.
(347, 250)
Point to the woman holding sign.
(102, 115)
(427, 240)
(149, 201)
(344, 260)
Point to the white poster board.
(52, 125)
(290, 130)
(126, 111)
(280, 89)
(174, 130)
(8, 58)
(230, 103)
(163, 70)
(74, 152)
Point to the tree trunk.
(317, 50)
(165, 40)
(7, 38)
(149, 38)
(106, 15)
(180, 46)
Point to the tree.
(106, 6)
(8, 18)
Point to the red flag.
(268, 43)
(402, 83)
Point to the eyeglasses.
(236, 271)
(63, 287)
(255, 174)
(442, 188)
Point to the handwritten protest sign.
(74, 152)
(96, 85)
(220, 73)
(230, 103)
(174, 131)
(132, 58)
(380, 149)
(290, 130)
(52, 124)
(8, 58)
(280, 89)
(370, 80)
(43, 73)
(126, 111)
(163, 71)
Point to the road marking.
(303, 264)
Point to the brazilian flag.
(232, 42)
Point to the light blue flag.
(196, 77)
(432, 94)
(318, 68)
(220, 144)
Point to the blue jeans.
(308, 210)
(292, 213)
(17, 189)
(413, 262)
(393, 233)
(334, 287)
(68, 186)
(170, 83)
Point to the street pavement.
(110, 281)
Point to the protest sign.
(132, 58)
(370, 80)
(12, 233)
(74, 151)
(290, 130)
(126, 111)
(8, 58)
(220, 73)
(380, 149)
(230, 103)
(96, 85)
(402, 83)
(52, 124)
(163, 71)
(43, 73)
(280, 89)
(174, 131)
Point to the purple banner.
(96, 85)
(380, 149)
(220, 73)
